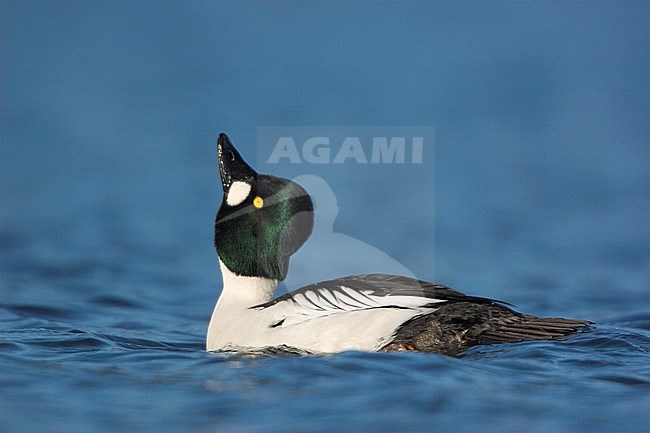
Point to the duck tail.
(526, 327)
(457, 326)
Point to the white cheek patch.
(237, 193)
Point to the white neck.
(239, 293)
(245, 291)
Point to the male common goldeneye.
(265, 219)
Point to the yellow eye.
(258, 202)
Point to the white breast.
(319, 321)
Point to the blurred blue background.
(535, 191)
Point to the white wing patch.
(237, 193)
(323, 302)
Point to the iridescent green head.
(262, 220)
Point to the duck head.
(262, 220)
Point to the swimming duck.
(264, 219)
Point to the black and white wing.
(362, 293)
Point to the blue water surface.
(534, 191)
